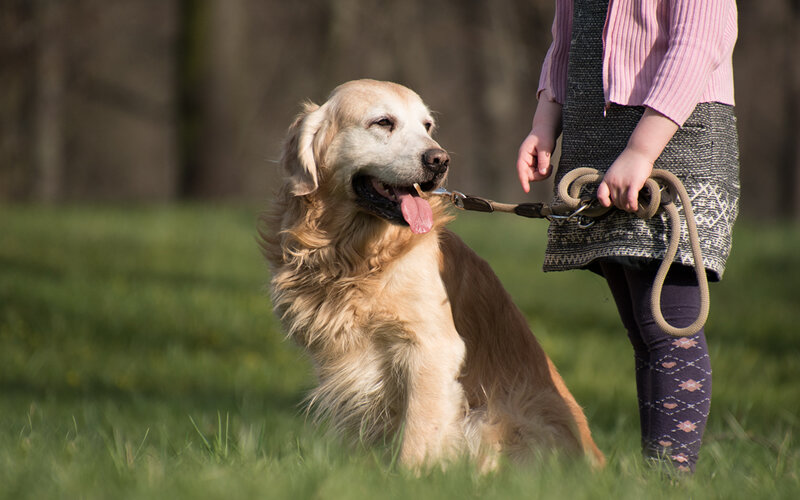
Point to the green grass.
(139, 358)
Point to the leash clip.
(456, 197)
(582, 220)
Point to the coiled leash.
(585, 211)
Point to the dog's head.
(368, 145)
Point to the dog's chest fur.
(366, 334)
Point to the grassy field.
(139, 358)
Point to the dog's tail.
(581, 428)
(525, 424)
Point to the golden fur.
(410, 335)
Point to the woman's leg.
(679, 367)
(618, 283)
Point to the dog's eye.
(385, 123)
(428, 126)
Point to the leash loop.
(676, 187)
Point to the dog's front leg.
(436, 405)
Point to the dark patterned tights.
(673, 374)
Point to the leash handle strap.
(478, 204)
(530, 210)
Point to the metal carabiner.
(583, 221)
(456, 197)
(557, 219)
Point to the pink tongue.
(417, 212)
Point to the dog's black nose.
(436, 160)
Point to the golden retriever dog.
(411, 334)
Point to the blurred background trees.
(158, 100)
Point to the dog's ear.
(299, 159)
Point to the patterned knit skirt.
(703, 154)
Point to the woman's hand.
(627, 175)
(536, 150)
(624, 179)
(533, 160)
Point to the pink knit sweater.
(665, 54)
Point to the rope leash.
(585, 211)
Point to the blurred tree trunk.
(48, 101)
(211, 89)
(762, 106)
(192, 17)
(476, 88)
(17, 77)
(792, 167)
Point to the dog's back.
(522, 403)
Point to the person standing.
(631, 86)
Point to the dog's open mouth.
(397, 204)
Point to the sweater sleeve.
(554, 68)
(695, 49)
